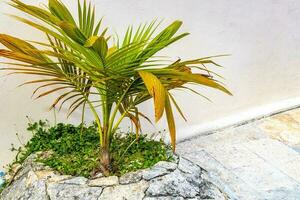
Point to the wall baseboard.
(237, 119)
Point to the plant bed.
(179, 179)
(59, 163)
(74, 150)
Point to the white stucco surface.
(262, 36)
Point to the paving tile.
(291, 168)
(265, 177)
(253, 170)
(284, 127)
(283, 194)
(295, 114)
(272, 150)
(230, 135)
(256, 161)
(233, 155)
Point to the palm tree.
(90, 69)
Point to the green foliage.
(129, 154)
(75, 149)
(3, 187)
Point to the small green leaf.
(90, 42)
(100, 46)
(73, 32)
(60, 10)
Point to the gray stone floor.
(257, 160)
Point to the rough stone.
(58, 178)
(173, 184)
(105, 181)
(24, 169)
(131, 177)
(163, 181)
(166, 165)
(45, 174)
(26, 187)
(209, 191)
(76, 181)
(154, 172)
(59, 191)
(98, 175)
(164, 198)
(159, 169)
(188, 167)
(135, 191)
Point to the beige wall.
(263, 37)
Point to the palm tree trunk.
(105, 161)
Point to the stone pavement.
(257, 160)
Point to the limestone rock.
(164, 198)
(59, 191)
(105, 181)
(26, 187)
(164, 181)
(192, 171)
(131, 177)
(209, 191)
(159, 169)
(170, 166)
(135, 191)
(154, 172)
(173, 184)
(24, 169)
(98, 175)
(188, 167)
(58, 178)
(76, 181)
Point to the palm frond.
(82, 66)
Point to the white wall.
(263, 37)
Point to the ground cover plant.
(74, 150)
(88, 68)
